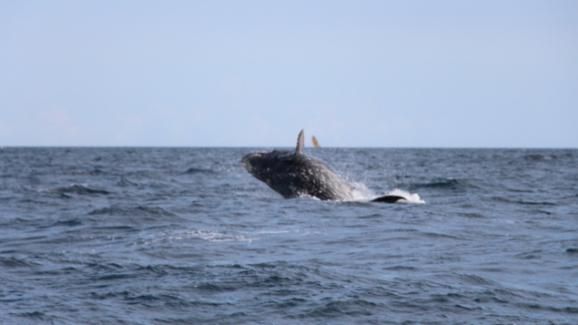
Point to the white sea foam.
(212, 236)
(361, 192)
(408, 197)
(208, 235)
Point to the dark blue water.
(167, 236)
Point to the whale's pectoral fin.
(300, 142)
(389, 199)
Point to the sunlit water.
(188, 236)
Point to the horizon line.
(283, 147)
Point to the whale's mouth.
(249, 161)
(246, 161)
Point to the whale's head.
(266, 165)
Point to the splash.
(413, 198)
(361, 193)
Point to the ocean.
(187, 236)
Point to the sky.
(253, 73)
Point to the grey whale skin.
(294, 174)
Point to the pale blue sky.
(253, 73)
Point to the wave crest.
(79, 190)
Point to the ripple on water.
(133, 215)
(79, 190)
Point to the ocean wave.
(15, 262)
(443, 184)
(125, 181)
(197, 170)
(344, 307)
(523, 202)
(548, 308)
(271, 276)
(36, 316)
(79, 190)
(207, 235)
(67, 223)
(540, 157)
(132, 211)
(438, 235)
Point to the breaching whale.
(293, 174)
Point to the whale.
(295, 174)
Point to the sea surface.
(187, 236)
